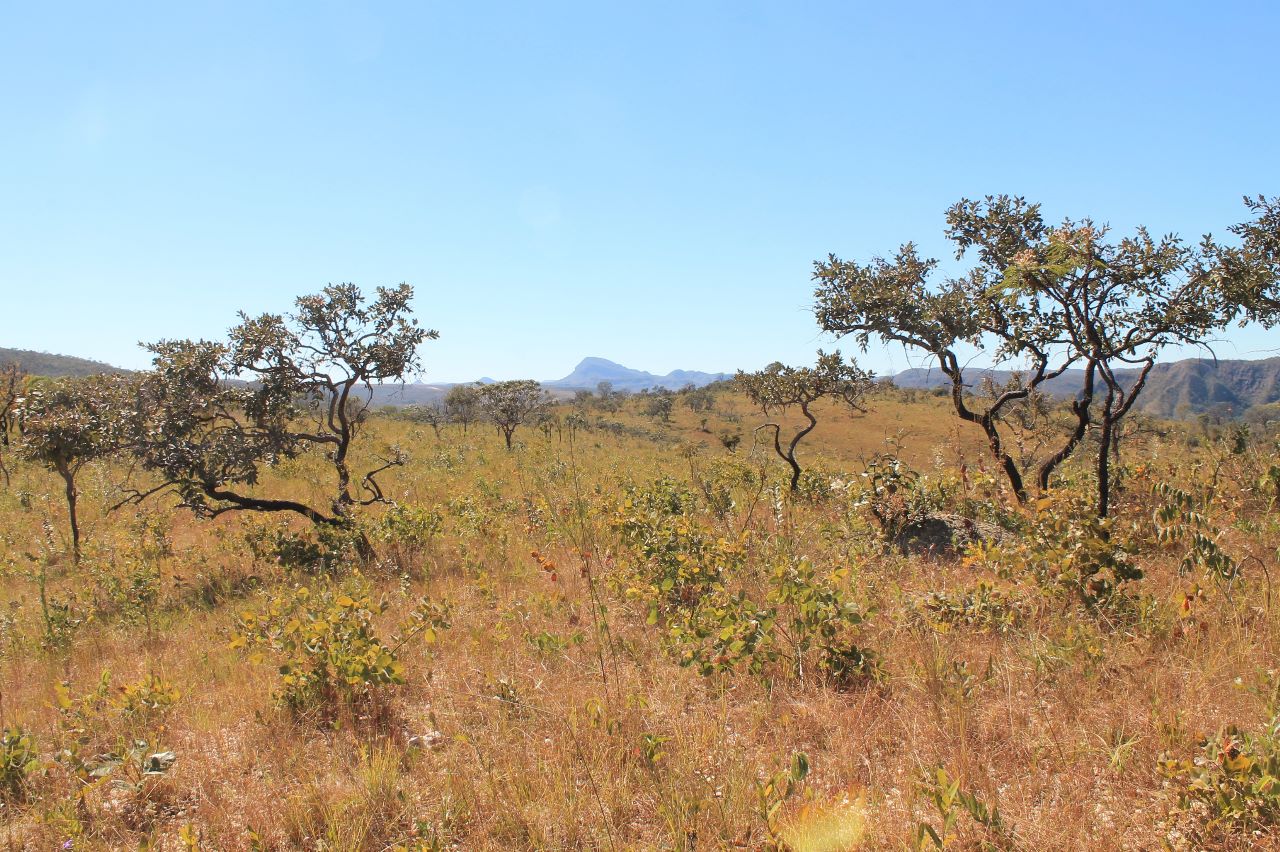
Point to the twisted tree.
(1049, 298)
(777, 388)
(211, 416)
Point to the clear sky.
(647, 182)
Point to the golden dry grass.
(500, 738)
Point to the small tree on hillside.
(432, 413)
(777, 388)
(608, 398)
(68, 423)
(212, 416)
(512, 403)
(462, 405)
(659, 405)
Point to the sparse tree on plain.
(433, 414)
(213, 416)
(607, 398)
(777, 388)
(462, 405)
(68, 423)
(659, 405)
(699, 399)
(1050, 298)
(511, 404)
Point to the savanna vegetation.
(242, 610)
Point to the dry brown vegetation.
(566, 683)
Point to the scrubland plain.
(623, 635)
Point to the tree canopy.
(512, 403)
(777, 388)
(1049, 298)
(211, 416)
(462, 405)
(68, 423)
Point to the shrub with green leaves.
(147, 699)
(820, 615)
(62, 620)
(949, 801)
(18, 760)
(320, 549)
(324, 638)
(1235, 778)
(112, 734)
(724, 631)
(807, 620)
(984, 607)
(1183, 519)
(679, 560)
(125, 587)
(1069, 549)
(410, 527)
(405, 532)
(774, 792)
(715, 617)
(897, 496)
(330, 656)
(719, 479)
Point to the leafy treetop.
(213, 414)
(1051, 297)
(511, 403)
(777, 388)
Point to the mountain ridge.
(1175, 389)
(49, 364)
(592, 370)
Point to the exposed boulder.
(945, 535)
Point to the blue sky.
(646, 182)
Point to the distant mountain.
(1189, 387)
(586, 376)
(53, 366)
(592, 371)
(1174, 389)
(409, 393)
(1066, 385)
